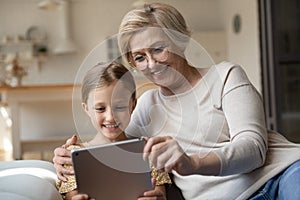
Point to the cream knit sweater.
(223, 113)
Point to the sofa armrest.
(32, 179)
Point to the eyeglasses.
(141, 61)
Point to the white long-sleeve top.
(223, 113)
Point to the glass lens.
(157, 54)
(161, 55)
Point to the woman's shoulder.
(227, 73)
(224, 68)
(222, 77)
(149, 94)
(148, 98)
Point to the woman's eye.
(158, 50)
(120, 108)
(139, 58)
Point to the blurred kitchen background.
(44, 42)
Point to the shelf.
(24, 50)
(16, 47)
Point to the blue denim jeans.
(283, 186)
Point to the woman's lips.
(158, 72)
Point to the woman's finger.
(153, 141)
(166, 155)
(59, 160)
(159, 155)
(62, 152)
(61, 172)
(61, 177)
(71, 141)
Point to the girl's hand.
(81, 197)
(158, 192)
(153, 195)
(61, 157)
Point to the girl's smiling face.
(109, 109)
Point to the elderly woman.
(204, 125)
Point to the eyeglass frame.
(133, 63)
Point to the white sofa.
(28, 180)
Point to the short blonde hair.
(152, 15)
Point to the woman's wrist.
(203, 164)
(206, 164)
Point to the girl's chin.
(113, 136)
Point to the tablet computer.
(112, 171)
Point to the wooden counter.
(33, 87)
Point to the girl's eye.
(139, 58)
(100, 109)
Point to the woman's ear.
(134, 102)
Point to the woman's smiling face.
(167, 68)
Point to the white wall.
(214, 42)
(57, 115)
(243, 48)
(5, 136)
(92, 21)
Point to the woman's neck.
(189, 79)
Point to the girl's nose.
(109, 115)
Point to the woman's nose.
(151, 62)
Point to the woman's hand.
(165, 153)
(61, 157)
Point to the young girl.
(108, 98)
